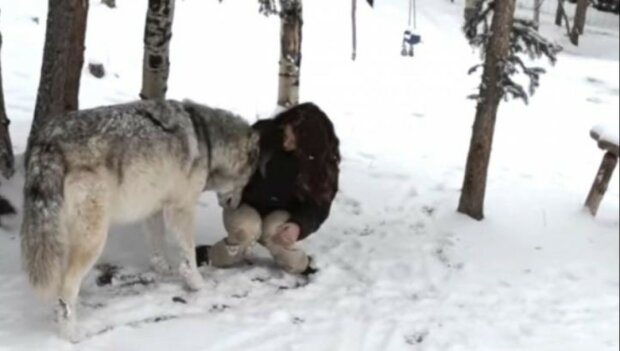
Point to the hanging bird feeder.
(410, 38)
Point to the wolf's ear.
(254, 139)
(254, 146)
(190, 107)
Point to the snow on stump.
(608, 139)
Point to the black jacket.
(274, 185)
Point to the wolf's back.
(43, 247)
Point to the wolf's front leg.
(155, 231)
(180, 220)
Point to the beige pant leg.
(244, 226)
(292, 260)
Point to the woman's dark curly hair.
(318, 151)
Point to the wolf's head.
(232, 175)
(233, 149)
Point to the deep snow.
(400, 269)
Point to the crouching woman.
(290, 195)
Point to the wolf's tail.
(42, 242)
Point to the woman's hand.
(287, 235)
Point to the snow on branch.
(268, 7)
(525, 40)
(279, 7)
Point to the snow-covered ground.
(400, 269)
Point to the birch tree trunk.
(474, 184)
(290, 52)
(580, 21)
(7, 160)
(157, 35)
(63, 58)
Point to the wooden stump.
(601, 182)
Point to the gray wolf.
(143, 161)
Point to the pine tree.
(502, 43)
(63, 58)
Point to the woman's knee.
(272, 223)
(243, 224)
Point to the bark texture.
(157, 36)
(498, 49)
(601, 182)
(580, 21)
(63, 59)
(290, 52)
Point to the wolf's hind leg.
(87, 224)
(155, 231)
(180, 221)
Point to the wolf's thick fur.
(146, 160)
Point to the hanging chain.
(410, 20)
(415, 15)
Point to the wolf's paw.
(64, 317)
(191, 276)
(161, 266)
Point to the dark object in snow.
(108, 272)
(179, 299)
(202, 255)
(297, 285)
(111, 275)
(311, 269)
(97, 70)
(416, 338)
(371, 3)
(6, 208)
(35, 20)
(219, 308)
(109, 3)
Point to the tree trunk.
(290, 52)
(63, 58)
(559, 13)
(7, 161)
(474, 184)
(537, 6)
(580, 21)
(157, 35)
(601, 182)
(354, 28)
